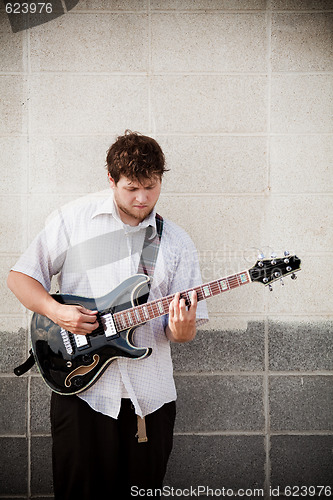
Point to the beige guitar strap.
(141, 434)
(147, 266)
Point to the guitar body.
(67, 366)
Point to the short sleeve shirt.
(92, 251)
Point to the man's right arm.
(33, 296)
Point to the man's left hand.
(182, 327)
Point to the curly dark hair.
(135, 156)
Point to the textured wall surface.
(239, 94)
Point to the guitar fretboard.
(141, 314)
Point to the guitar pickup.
(81, 341)
(109, 326)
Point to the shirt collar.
(108, 206)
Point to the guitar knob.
(78, 382)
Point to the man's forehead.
(142, 183)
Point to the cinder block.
(300, 103)
(226, 350)
(209, 104)
(13, 393)
(13, 158)
(13, 336)
(302, 42)
(217, 461)
(8, 301)
(245, 299)
(209, 42)
(84, 104)
(219, 403)
(40, 407)
(13, 104)
(11, 47)
(41, 466)
(122, 41)
(236, 224)
(300, 5)
(302, 220)
(301, 164)
(79, 160)
(215, 164)
(301, 403)
(207, 4)
(12, 209)
(301, 346)
(14, 466)
(302, 461)
(298, 297)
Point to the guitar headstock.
(268, 270)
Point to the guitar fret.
(215, 288)
(123, 320)
(129, 316)
(145, 311)
(206, 290)
(233, 282)
(137, 314)
(224, 285)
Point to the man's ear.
(111, 181)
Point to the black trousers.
(98, 457)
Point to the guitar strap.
(147, 266)
(150, 248)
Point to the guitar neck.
(138, 315)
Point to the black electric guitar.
(70, 363)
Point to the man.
(92, 245)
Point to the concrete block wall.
(239, 95)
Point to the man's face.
(135, 201)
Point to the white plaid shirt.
(92, 251)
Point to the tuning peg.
(261, 258)
(281, 281)
(270, 288)
(293, 276)
(286, 254)
(273, 256)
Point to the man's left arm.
(182, 320)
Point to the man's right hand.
(32, 295)
(75, 319)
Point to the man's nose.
(141, 196)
